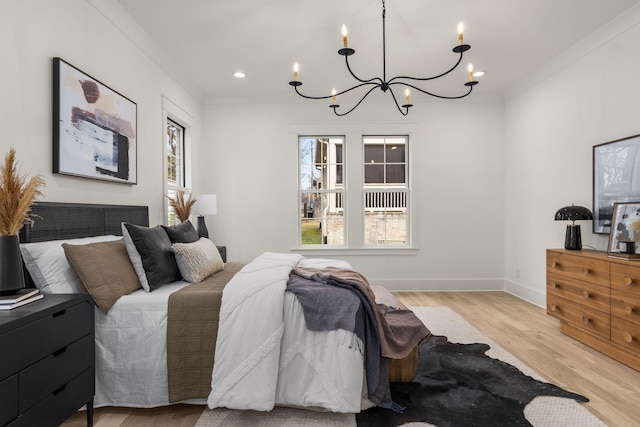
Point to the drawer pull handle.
(628, 338)
(586, 320)
(59, 390)
(554, 264)
(586, 271)
(629, 309)
(554, 285)
(553, 307)
(59, 352)
(58, 314)
(628, 281)
(586, 295)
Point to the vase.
(11, 269)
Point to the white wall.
(458, 179)
(586, 97)
(82, 33)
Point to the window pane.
(373, 174)
(373, 153)
(395, 174)
(395, 153)
(385, 228)
(322, 218)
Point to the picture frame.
(625, 228)
(616, 178)
(94, 128)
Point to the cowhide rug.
(459, 385)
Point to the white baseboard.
(534, 297)
(401, 285)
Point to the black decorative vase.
(573, 239)
(11, 270)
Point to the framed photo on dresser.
(624, 238)
(94, 127)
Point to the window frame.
(172, 187)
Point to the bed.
(312, 369)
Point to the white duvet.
(271, 361)
(266, 356)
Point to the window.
(385, 190)
(321, 191)
(175, 165)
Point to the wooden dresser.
(597, 300)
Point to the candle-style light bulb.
(333, 96)
(470, 69)
(345, 41)
(406, 96)
(460, 31)
(296, 68)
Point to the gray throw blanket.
(334, 298)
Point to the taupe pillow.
(104, 269)
(197, 260)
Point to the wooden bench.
(400, 370)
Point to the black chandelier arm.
(375, 85)
(404, 113)
(346, 60)
(430, 78)
(469, 85)
(359, 102)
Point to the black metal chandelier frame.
(382, 82)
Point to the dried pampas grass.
(181, 206)
(635, 226)
(17, 195)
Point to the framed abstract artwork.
(624, 238)
(94, 128)
(616, 178)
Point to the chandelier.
(381, 82)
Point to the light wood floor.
(521, 328)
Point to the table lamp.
(573, 239)
(206, 204)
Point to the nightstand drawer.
(586, 318)
(54, 409)
(625, 334)
(581, 268)
(8, 399)
(625, 278)
(30, 343)
(586, 293)
(54, 371)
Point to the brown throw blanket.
(192, 329)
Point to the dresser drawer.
(8, 399)
(44, 336)
(54, 371)
(625, 334)
(586, 293)
(55, 407)
(580, 316)
(581, 268)
(625, 277)
(625, 306)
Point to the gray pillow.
(182, 233)
(154, 247)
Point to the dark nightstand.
(47, 361)
(223, 252)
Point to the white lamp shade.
(206, 204)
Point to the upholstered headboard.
(55, 221)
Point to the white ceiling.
(210, 39)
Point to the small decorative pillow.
(153, 247)
(105, 270)
(197, 260)
(182, 233)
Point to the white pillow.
(197, 260)
(135, 258)
(48, 266)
